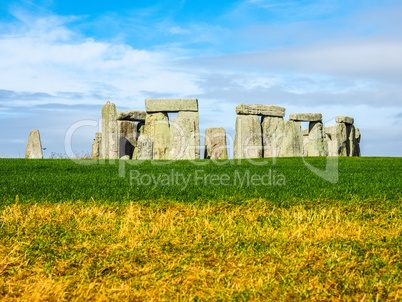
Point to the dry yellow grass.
(173, 251)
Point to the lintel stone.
(345, 119)
(171, 105)
(262, 110)
(131, 115)
(305, 117)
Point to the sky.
(60, 61)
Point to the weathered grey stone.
(344, 119)
(144, 148)
(306, 141)
(110, 141)
(131, 115)
(305, 132)
(357, 142)
(316, 144)
(248, 140)
(34, 145)
(157, 129)
(215, 143)
(337, 139)
(97, 146)
(127, 133)
(292, 144)
(262, 110)
(195, 116)
(125, 157)
(182, 138)
(170, 105)
(306, 117)
(273, 131)
(351, 133)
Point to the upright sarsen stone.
(144, 148)
(273, 133)
(97, 146)
(316, 144)
(292, 144)
(157, 130)
(127, 133)
(337, 139)
(110, 141)
(215, 144)
(34, 145)
(357, 142)
(248, 140)
(195, 117)
(182, 138)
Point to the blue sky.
(60, 61)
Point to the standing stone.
(170, 105)
(110, 141)
(127, 133)
(215, 143)
(34, 146)
(140, 129)
(350, 130)
(157, 129)
(262, 110)
(143, 149)
(182, 138)
(316, 144)
(292, 144)
(273, 130)
(248, 140)
(357, 142)
(195, 116)
(336, 138)
(97, 146)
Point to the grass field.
(73, 231)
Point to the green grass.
(291, 181)
(78, 231)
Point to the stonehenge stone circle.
(182, 138)
(149, 135)
(248, 139)
(261, 110)
(306, 117)
(171, 105)
(34, 145)
(215, 143)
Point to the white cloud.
(46, 58)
